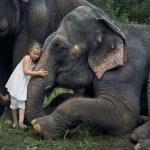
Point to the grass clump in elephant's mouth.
(55, 93)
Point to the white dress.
(18, 82)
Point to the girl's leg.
(14, 108)
(21, 115)
(15, 115)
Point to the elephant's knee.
(125, 124)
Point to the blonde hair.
(35, 45)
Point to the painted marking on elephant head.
(75, 52)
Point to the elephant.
(141, 135)
(110, 60)
(24, 21)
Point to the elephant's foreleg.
(4, 108)
(142, 132)
(57, 101)
(3, 103)
(143, 144)
(141, 135)
(148, 94)
(7, 115)
(110, 115)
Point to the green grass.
(80, 139)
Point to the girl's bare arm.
(26, 64)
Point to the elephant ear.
(111, 51)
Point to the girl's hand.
(43, 73)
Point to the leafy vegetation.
(129, 11)
(56, 92)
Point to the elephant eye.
(64, 47)
(61, 51)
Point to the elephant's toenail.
(37, 128)
(33, 121)
(137, 146)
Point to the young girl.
(18, 81)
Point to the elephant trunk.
(37, 89)
(148, 94)
(35, 98)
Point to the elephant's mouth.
(48, 90)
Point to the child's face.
(35, 54)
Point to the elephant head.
(84, 47)
(9, 16)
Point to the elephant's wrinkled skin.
(141, 135)
(107, 58)
(21, 22)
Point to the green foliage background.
(127, 11)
